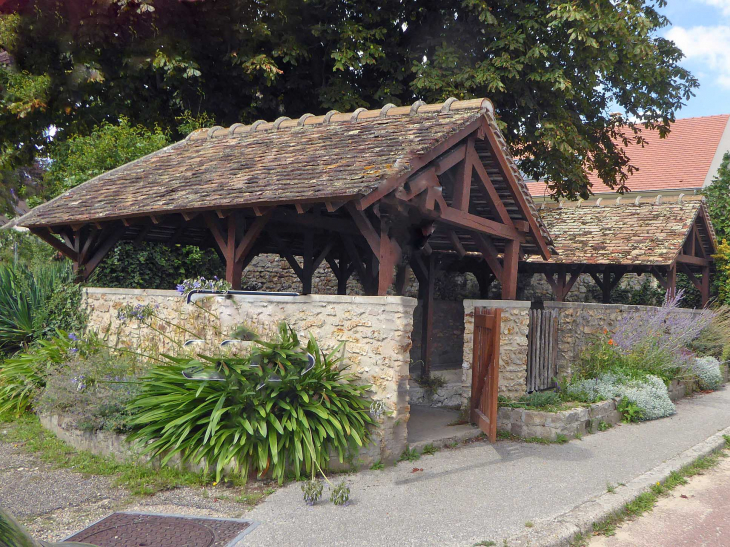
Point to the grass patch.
(486, 543)
(646, 501)
(139, 479)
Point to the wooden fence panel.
(542, 355)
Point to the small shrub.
(603, 426)
(312, 491)
(23, 376)
(648, 393)
(94, 391)
(707, 371)
(340, 494)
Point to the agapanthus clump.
(312, 491)
(203, 284)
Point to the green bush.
(268, 415)
(34, 303)
(23, 376)
(93, 390)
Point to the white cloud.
(709, 46)
(722, 5)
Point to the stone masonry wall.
(376, 330)
(512, 345)
(580, 324)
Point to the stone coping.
(599, 306)
(503, 304)
(324, 298)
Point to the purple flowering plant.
(201, 283)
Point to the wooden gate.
(542, 354)
(485, 370)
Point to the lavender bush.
(656, 339)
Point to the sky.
(701, 29)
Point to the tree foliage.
(718, 203)
(554, 70)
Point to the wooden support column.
(705, 286)
(426, 290)
(235, 243)
(606, 288)
(308, 259)
(672, 280)
(401, 278)
(509, 269)
(389, 256)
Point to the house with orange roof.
(682, 163)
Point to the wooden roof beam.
(61, 247)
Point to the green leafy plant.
(429, 450)
(377, 466)
(603, 426)
(409, 455)
(630, 411)
(93, 390)
(312, 490)
(431, 384)
(23, 376)
(35, 302)
(270, 412)
(340, 494)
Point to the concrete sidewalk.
(484, 492)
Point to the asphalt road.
(484, 492)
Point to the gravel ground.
(55, 503)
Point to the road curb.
(559, 531)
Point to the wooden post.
(387, 258)
(705, 288)
(672, 280)
(308, 269)
(427, 289)
(606, 288)
(234, 268)
(509, 270)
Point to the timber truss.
(694, 259)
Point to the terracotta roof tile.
(679, 161)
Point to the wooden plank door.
(542, 355)
(485, 370)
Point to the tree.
(554, 70)
(718, 203)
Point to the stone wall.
(539, 424)
(376, 330)
(580, 324)
(512, 345)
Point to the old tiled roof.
(312, 159)
(626, 233)
(680, 161)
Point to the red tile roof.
(681, 160)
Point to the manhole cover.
(147, 530)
